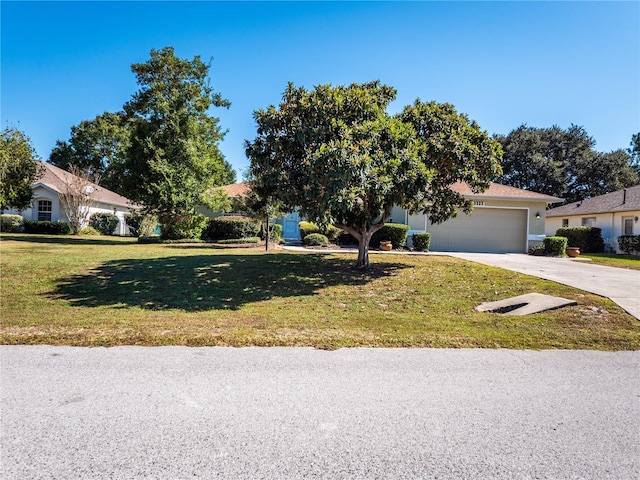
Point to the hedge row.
(588, 239)
(47, 228)
(231, 227)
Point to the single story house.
(504, 219)
(615, 213)
(46, 202)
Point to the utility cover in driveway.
(525, 304)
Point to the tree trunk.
(363, 250)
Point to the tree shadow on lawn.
(211, 282)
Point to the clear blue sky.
(502, 63)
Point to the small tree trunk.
(363, 250)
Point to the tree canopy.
(97, 147)
(19, 169)
(172, 162)
(337, 155)
(562, 163)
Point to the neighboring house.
(616, 213)
(46, 203)
(504, 219)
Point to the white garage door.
(485, 230)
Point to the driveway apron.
(619, 284)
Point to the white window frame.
(44, 214)
(624, 224)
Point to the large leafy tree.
(337, 155)
(173, 161)
(97, 147)
(19, 169)
(562, 163)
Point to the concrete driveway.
(619, 284)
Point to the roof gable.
(57, 179)
(618, 201)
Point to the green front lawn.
(614, 260)
(112, 291)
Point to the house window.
(44, 210)
(565, 222)
(627, 226)
(589, 222)
(478, 203)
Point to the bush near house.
(421, 241)
(315, 239)
(629, 243)
(332, 233)
(397, 233)
(186, 227)
(140, 225)
(103, 222)
(47, 228)
(275, 230)
(231, 227)
(11, 223)
(90, 231)
(555, 245)
(588, 239)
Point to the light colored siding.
(485, 230)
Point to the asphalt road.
(176, 412)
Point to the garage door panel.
(485, 230)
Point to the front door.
(290, 230)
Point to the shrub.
(141, 225)
(104, 222)
(90, 231)
(185, 227)
(537, 250)
(231, 241)
(629, 243)
(315, 239)
(47, 228)
(421, 241)
(588, 239)
(396, 232)
(307, 228)
(332, 233)
(555, 245)
(230, 227)
(345, 238)
(275, 232)
(11, 223)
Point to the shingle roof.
(57, 180)
(498, 190)
(495, 190)
(237, 190)
(617, 201)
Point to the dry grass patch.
(110, 291)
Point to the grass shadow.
(211, 282)
(69, 239)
